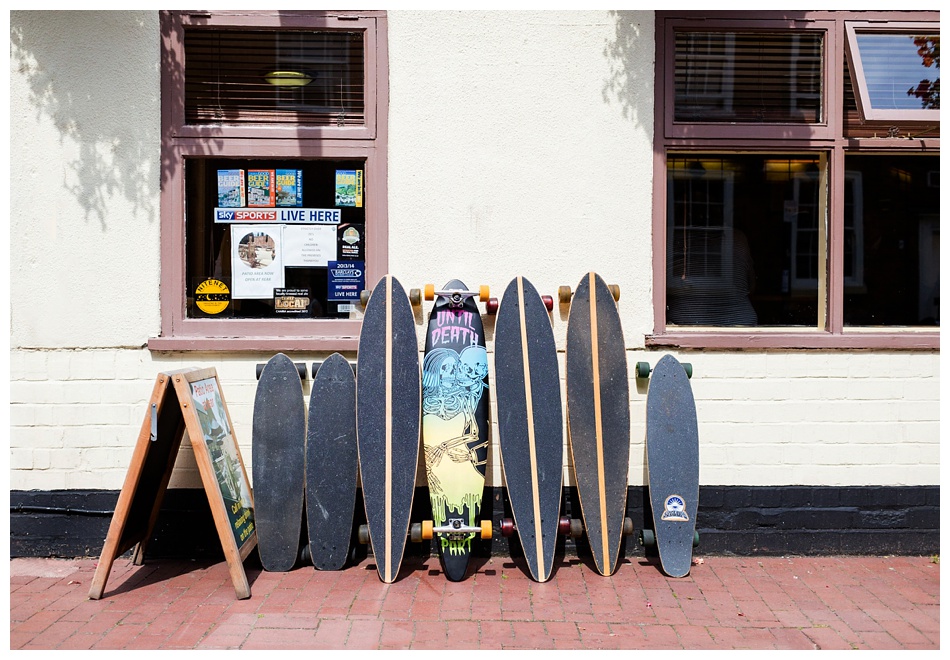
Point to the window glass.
(744, 239)
(272, 253)
(901, 71)
(748, 77)
(894, 244)
(304, 77)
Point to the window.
(796, 196)
(274, 177)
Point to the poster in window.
(309, 245)
(349, 188)
(230, 188)
(260, 188)
(289, 187)
(257, 262)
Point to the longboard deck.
(332, 465)
(598, 414)
(455, 423)
(530, 421)
(672, 464)
(388, 401)
(277, 455)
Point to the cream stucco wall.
(523, 140)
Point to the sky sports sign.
(279, 216)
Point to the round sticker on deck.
(212, 296)
(675, 509)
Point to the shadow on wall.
(95, 77)
(631, 56)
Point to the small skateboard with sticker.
(672, 466)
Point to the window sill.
(267, 344)
(718, 338)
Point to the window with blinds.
(764, 77)
(313, 78)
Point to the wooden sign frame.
(184, 401)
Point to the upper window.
(785, 217)
(896, 70)
(274, 177)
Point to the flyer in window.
(260, 188)
(230, 188)
(309, 245)
(289, 187)
(257, 261)
(349, 188)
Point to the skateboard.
(455, 422)
(672, 466)
(598, 417)
(332, 466)
(530, 431)
(387, 421)
(277, 462)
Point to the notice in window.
(309, 245)
(257, 264)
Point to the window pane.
(253, 259)
(744, 245)
(241, 76)
(901, 71)
(894, 241)
(748, 77)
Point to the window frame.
(181, 141)
(825, 139)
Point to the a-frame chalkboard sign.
(188, 400)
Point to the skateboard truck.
(647, 538)
(643, 369)
(492, 305)
(301, 369)
(565, 293)
(566, 526)
(455, 528)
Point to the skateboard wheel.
(362, 534)
(259, 370)
(689, 369)
(492, 306)
(548, 302)
(486, 529)
(415, 297)
(415, 533)
(695, 539)
(364, 297)
(305, 554)
(507, 527)
(643, 369)
(647, 538)
(426, 529)
(564, 294)
(614, 291)
(576, 528)
(483, 293)
(627, 527)
(301, 369)
(430, 292)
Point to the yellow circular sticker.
(212, 296)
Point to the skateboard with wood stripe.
(278, 437)
(598, 416)
(530, 421)
(387, 421)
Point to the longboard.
(530, 421)
(672, 465)
(455, 424)
(387, 420)
(332, 466)
(277, 462)
(598, 417)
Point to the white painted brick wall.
(793, 418)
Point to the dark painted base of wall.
(732, 520)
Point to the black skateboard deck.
(387, 420)
(672, 464)
(598, 416)
(455, 424)
(530, 421)
(332, 466)
(277, 462)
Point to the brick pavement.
(725, 603)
